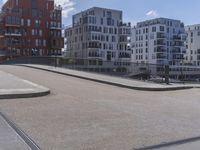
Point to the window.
(109, 14)
(34, 3)
(33, 32)
(37, 23)
(167, 30)
(47, 24)
(59, 25)
(22, 22)
(109, 21)
(47, 5)
(101, 21)
(35, 13)
(36, 42)
(40, 32)
(153, 29)
(162, 28)
(28, 22)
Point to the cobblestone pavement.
(85, 115)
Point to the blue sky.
(137, 10)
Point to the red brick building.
(30, 28)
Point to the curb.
(21, 133)
(115, 84)
(170, 144)
(24, 95)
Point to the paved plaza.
(14, 87)
(86, 115)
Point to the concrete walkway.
(14, 87)
(12, 137)
(116, 81)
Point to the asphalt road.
(85, 115)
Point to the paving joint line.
(21, 133)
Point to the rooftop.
(157, 21)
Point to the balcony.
(160, 50)
(125, 55)
(121, 24)
(57, 7)
(178, 44)
(94, 54)
(124, 29)
(178, 56)
(3, 53)
(94, 45)
(160, 42)
(1, 34)
(161, 36)
(161, 56)
(177, 38)
(55, 28)
(12, 34)
(176, 50)
(12, 25)
(56, 43)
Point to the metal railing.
(126, 69)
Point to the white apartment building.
(193, 45)
(158, 41)
(98, 34)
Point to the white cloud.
(152, 13)
(67, 5)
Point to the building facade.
(158, 41)
(193, 45)
(30, 28)
(98, 34)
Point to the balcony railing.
(160, 43)
(161, 56)
(8, 24)
(160, 50)
(13, 34)
(55, 28)
(178, 56)
(176, 37)
(57, 7)
(176, 50)
(161, 36)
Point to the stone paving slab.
(14, 87)
(9, 139)
(117, 81)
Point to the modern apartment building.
(193, 45)
(98, 34)
(30, 28)
(158, 41)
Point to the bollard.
(167, 74)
